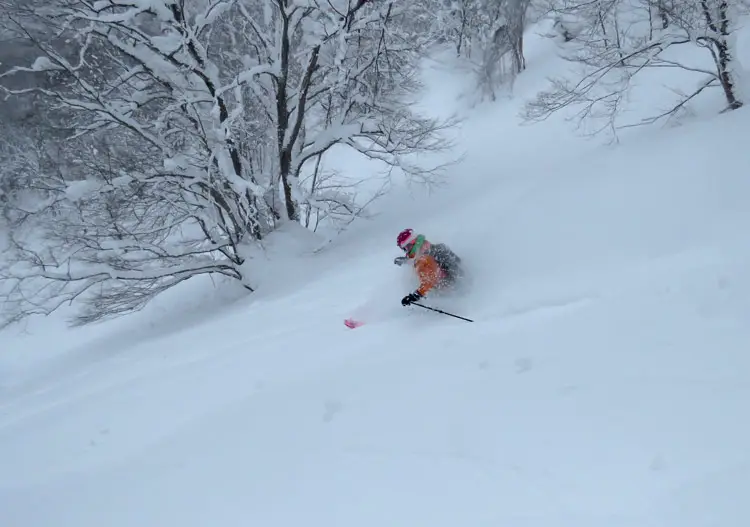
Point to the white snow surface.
(604, 382)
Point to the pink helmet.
(405, 237)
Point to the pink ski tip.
(351, 323)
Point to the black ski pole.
(441, 311)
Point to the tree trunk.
(723, 57)
(663, 14)
(518, 58)
(292, 211)
(725, 75)
(282, 116)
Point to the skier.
(437, 267)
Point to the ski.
(351, 323)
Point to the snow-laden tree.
(26, 157)
(340, 73)
(613, 41)
(489, 33)
(195, 122)
(501, 26)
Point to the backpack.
(448, 261)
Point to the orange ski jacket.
(429, 272)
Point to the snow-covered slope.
(603, 382)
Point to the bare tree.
(612, 48)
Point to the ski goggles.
(412, 248)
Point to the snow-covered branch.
(612, 42)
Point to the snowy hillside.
(604, 381)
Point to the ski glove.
(410, 298)
(401, 260)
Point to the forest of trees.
(144, 142)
